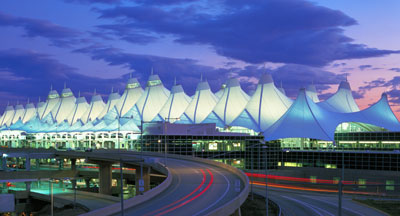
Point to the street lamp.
(340, 191)
(266, 179)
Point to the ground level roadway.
(298, 203)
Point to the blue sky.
(96, 44)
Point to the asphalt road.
(196, 189)
(298, 203)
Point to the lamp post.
(266, 180)
(122, 186)
(165, 138)
(340, 191)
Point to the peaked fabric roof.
(7, 116)
(203, 102)
(18, 114)
(304, 119)
(80, 108)
(111, 102)
(176, 104)
(53, 99)
(153, 98)
(231, 103)
(65, 106)
(311, 92)
(96, 106)
(220, 92)
(265, 107)
(131, 95)
(342, 101)
(307, 119)
(30, 111)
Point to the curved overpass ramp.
(194, 187)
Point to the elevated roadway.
(194, 186)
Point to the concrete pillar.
(146, 179)
(27, 163)
(17, 162)
(37, 163)
(87, 182)
(4, 163)
(28, 186)
(73, 164)
(60, 164)
(105, 178)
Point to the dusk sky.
(90, 44)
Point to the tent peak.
(232, 82)
(344, 85)
(266, 78)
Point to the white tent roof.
(309, 120)
(153, 98)
(231, 103)
(81, 106)
(203, 102)
(30, 111)
(53, 99)
(96, 106)
(220, 92)
(65, 106)
(265, 107)
(175, 105)
(18, 114)
(342, 101)
(132, 93)
(311, 92)
(113, 98)
(7, 116)
(379, 114)
(304, 119)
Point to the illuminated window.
(212, 146)
(52, 96)
(66, 94)
(389, 185)
(153, 82)
(361, 183)
(132, 85)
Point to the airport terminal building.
(230, 125)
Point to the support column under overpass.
(146, 179)
(105, 177)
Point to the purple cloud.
(125, 32)
(27, 74)
(395, 69)
(253, 31)
(58, 35)
(363, 67)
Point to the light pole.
(165, 138)
(340, 191)
(266, 180)
(51, 198)
(122, 186)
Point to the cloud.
(339, 65)
(295, 76)
(125, 32)
(28, 74)
(252, 31)
(94, 1)
(395, 69)
(363, 67)
(58, 35)
(188, 71)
